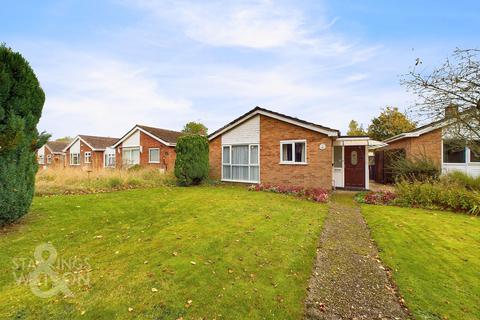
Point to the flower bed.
(314, 194)
(376, 197)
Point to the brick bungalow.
(91, 152)
(147, 147)
(51, 154)
(264, 146)
(432, 140)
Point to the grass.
(166, 253)
(77, 181)
(434, 257)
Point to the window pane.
(475, 152)
(154, 155)
(453, 152)
(239, 154)
(337, 157)
(354, 158)
(254, 173)
(253, 154)
(226, 172)
(226, 154)
(240, 173)
(287, 153)
(299, 152)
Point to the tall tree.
(389, 123)
(193, 127)
(21, 103)
(354, 129)
(451, 90)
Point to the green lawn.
(211, 252)
(435, 257)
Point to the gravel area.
(348, 279)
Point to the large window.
(293, 152)
(240, 163)
(453, 152)
(109, 159)
(131, 156)
(74, 159)
(154, 155)
(475, 154)
(87, 158)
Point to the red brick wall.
(96, 159)
(316, 173)
(429, 144)
(318, 170)
(167, 154)
(215, 158)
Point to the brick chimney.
(451, 111)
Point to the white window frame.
(71, 159)
(242, 165)
(89, 157)
(150, 155)
(41, 159)
(130, 149)
(49, 158)
(106, 157)
(293, 142)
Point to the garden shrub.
(191, 164)
(315, 194)
(462, 179)
(421, 168)
(438, 195)
(21, 104)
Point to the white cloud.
(91, 94)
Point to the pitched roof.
(98, 142)
(168, 137)
(277, 115)
(56, 146)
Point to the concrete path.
(348, 280)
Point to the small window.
(354, 158)
(110, 160)
(87, 157)
(49, 158)
(293, 152)
(454, 152)
(41, 159)
(74, 159)
(154, 155)
(337, 157)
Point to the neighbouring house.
(147, 147)
(433, 141)
(90, 152)
(267, 147)
(51, 154)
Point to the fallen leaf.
(193, 262)
(130, 309)
(154, 290)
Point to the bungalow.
(433, 141)
(51, 154)
(90, 152)
(148, 146)
(264, 146)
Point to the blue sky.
(107, 65)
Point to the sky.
(108, 65)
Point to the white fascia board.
(132, 131)
(330, 133)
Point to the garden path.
(348, 279)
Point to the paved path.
(348, 280)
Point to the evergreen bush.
(21, 103)
(191, 164)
